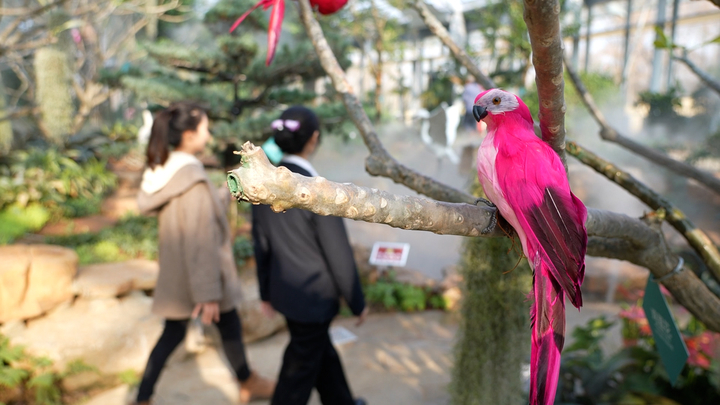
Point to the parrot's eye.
(496, 100)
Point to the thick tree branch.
(695, 237)
(439, 30)
(543, 24)
(611, 235)
(704, 76)
(379, 163)
(608, 133)
(259, 182)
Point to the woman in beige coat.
(197, 270)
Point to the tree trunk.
(494, 330)
(52, 79)
(6, 134)
(379, 48)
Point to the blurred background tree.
(199, 60)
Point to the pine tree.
(201, 61)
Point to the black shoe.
(360, 401)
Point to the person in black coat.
(304, 266)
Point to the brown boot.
(256, 387)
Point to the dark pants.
(311, 361)
(174, 333)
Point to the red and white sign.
(389, 254)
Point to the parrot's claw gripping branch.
(259, 182)
(493, 220)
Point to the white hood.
(155, 179)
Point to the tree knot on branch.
(608, 133)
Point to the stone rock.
(255, 324)
(111, 334)
(114, 279)
(452, 297)
(34, 279)
(414, 278)
(79, 381)
(116, 396)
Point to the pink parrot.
(278, 13)
(527, 182)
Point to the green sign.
(668, 340)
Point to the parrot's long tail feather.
(264, 3)
(548, 336)
(274, 27)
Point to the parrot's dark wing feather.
(562, 238)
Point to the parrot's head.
(496, 103)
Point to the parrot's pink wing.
(534, 184)
(264, 3)
(274, 27)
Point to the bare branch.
(608, 133)
(17, 21)
(695, 236)
(259, 182)
(704, 76)
(439, 30)
(90, 97)
(20, 112)
(715, 2)
(379, 163)
(542, 20)
(612, 235)
(129, 34)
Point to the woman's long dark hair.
(168, 127)
(293, 141)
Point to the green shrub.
(53, 179)
(132, 237)
(15, 221)
(242, 250)
(391, 294)
(635, 374)
(33, 375)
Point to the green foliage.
(242, 250)
(440, 90)
(132, 237)
(601, 86)
(635, 374)
(54, 180)
(16, 221)
(662, 105)
(711, 148)
(393, 295)
(505, 33)
(52, 80)
(662, 41)
(129, 377)
(33, 375)
(227, 72)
